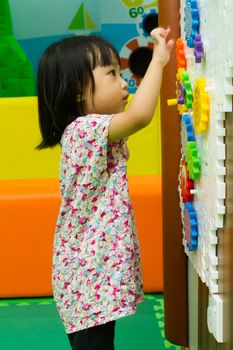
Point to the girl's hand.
(162, 47)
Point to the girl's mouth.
(126, 97)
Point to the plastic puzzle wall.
(203, 96)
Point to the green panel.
(78, 20)
(89, 22)
(5, 18)
(16, 71)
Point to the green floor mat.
(34, 324)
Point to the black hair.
(64, 73)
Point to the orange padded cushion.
(146, 195)
(29, 210)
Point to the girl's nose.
(124, 84)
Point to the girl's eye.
(113, 72)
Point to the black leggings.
(94, 338)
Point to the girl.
(96, 263)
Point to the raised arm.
(141, 110)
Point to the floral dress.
(96, 261)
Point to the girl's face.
(110, 94)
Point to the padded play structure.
(19, 137)
(29, 209)
(29, 202)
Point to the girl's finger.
(170, 44)
(163, 33)
(155, 34)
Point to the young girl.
(96, 263)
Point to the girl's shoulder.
(89, 117)
(89, 120)
(90, 124)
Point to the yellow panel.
(145, 148)
(19, 135)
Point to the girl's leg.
(95, 338)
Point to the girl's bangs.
(103, 55)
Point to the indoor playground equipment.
(29, 188)
(203, 88)
(205, 83)
(26, 248)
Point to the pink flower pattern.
(96, 260)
